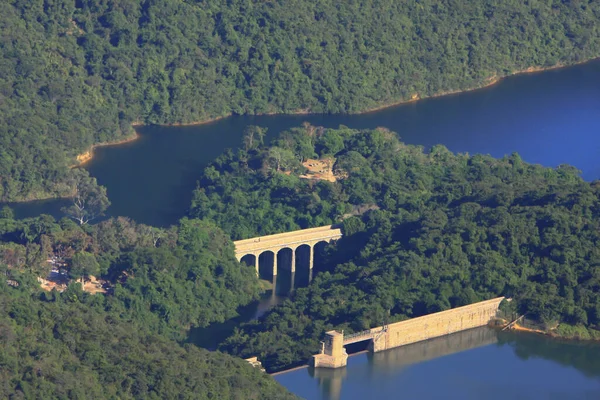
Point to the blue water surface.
(515, 367)
(549, 118)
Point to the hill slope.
(423, 232)
(79, 72)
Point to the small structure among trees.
(319, 169)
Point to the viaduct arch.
(289, 240)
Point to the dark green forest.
(127, 343)
(424, 232)
(78, 72)
(170, 279)
(66, 347)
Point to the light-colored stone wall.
(287, 240)
(410, 331)
(291, 240)
(437, 324)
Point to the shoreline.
(81, 160)
(488, 82)
(87, 156)
(215, 119)
(193, 123)
(551, 334)
(285, 371)
(519, 328)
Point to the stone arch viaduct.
(289, 240)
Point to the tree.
(83, 264)
(254, 136)
(89, 199)
(353, 225)
(331, 143)
(279, 158)
(151, 234)
(7, 213)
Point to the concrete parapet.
(290, 240)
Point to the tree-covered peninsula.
(424, 232)
(79, 72)
(128, 339)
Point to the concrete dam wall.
(331, 381)
(333, 354)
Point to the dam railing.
(363, 335)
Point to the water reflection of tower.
(330, 381)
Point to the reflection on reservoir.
(398, 358)
(391, 361)
(282, 286)
(582, 355)
(515, 366)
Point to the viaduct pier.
(289, 240)
(333, 354)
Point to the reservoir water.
(471, 365)
(550, 118)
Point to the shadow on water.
(582, 355)
(285, 282)
(282, 284)
(33, 209)
(213, 335)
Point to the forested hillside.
(424, 232)
(169, 279)
(66, 347)
(78, 72)
(126, 343)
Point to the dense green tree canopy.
(424, 232)
(64, 346)
(172, 279)
(126, 343)
(78, 72)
